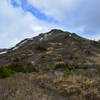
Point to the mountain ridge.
(55, 44)
(56, 65)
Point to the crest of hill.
(53, 47)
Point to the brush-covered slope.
(52, 48)
(59, 65)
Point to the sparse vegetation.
(47, 68)
(6, 71)
(80, 87)
(65, 66)
(88, 52)
(27, 68)
(98, 70)
(71, 68)
(41, 48)
(66, 73)
(58, 66)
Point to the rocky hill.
(56, 65)
(54, 47)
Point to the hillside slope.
(54, 47)
(56, 65)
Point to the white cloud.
(81, 15)
(15, 24)
(55, 8)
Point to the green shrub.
(68, 67)
(58, 66)
(30, 68)
(46, 68)
(5, 72)
(71, 68)
(97, 70)
(41, 48)
(16, 67)
(66, 73)
(27, 68)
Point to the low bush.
(71, 68)
(46, 68)
(58, 66)
(97, 70)
(5, 72)
(65, 66)
(41, 48)
(26, 68)
(30, 68)
(66, 73)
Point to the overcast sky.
(21, 19)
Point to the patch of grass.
(98, 70)
(47, 68)
(65, 66)
(31, 68)
(5, 72)
(66, 73)
(71, 68)
(58, 66)
(27, 68)
(79, 87)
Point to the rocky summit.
(51, 48)
(56, 65)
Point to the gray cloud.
(15, 24)
(81, 16)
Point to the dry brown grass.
(73, 87)
(52, 85)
